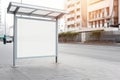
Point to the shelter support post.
(14, 40)
(56, 57)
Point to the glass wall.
(36, 38)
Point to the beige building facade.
(119, 12)
(76, 18)
(0, 12)
(102, 13)
(0, 19)
(91, 14)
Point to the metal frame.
(22, 17)
(35, 8)
(31, 14)
(56, 59)
(15, 39)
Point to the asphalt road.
(102, 52)
(76, 62)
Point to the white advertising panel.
(35, 38)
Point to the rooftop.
(32, 10)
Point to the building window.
(102, 13)
(89, 15)
(78, 3)
(99, 12)
(99, 23)
(115, 20)
(68, 26)
(72, 12)
(72, 25)
(78, 9)
(91, 24)
(78, 17)
(107, 10)
(115, 11)
(78, 24)
(95, 24)
(103, 23)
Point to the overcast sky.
(7, 19)
(48, 3)
(58, 4)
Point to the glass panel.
(41, 12)
(25, 10)
(35, 38)
(12, 8)
(54, 14)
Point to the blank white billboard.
(35, 38)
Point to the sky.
(48, 3)
(7, 19)
(58, 4)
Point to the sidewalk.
(70, 67)
(107, 43)
(95, 43)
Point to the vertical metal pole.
(119, 13)
(4, 39)
(14, 41)
(5, 22)
(56, 58)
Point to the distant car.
(9, 39)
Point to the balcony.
(70, 22)
(69, 2)
(73, 29)
(70, 15)
(78, 13)
(71, 8)
(77, 20)
(78, 6)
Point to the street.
(95, 62)
(108, 53)
(76, 62)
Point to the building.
(119, 12)
(0, 20)
(76, 19)
(102, 13)
(61, 25)
(91, 14)
(0, 12)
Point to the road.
(6, 53)
(109, 53)
(75, 62)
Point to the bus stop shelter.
(35, 31)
